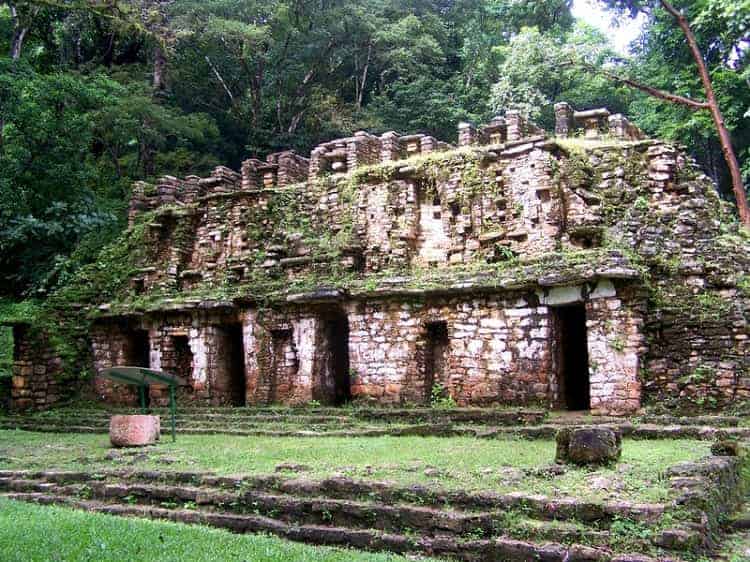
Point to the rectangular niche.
(283, 367)
(182, 360)
(136, 349)
(433, 242)
(436, 344)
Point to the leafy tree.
(70, 147)
(535, 73)
(702, 48)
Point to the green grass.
(461, 462)
(30, 533)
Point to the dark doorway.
(234, 367)
(183, 357)
(572, 357)
(435, 354)
(137, 352)
(337, 340)
(283, 363)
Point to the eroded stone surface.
(589, 445)
(134, 430)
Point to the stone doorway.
(283, 365)
(573, 383)
(333, 380)
(230, 383)
(183, 357)
(137, 352)
(435, 356)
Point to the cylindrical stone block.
(134, 430)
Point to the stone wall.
(36, 383)
(653, 199)
(367, 219)
(497, 350)
(594, 123)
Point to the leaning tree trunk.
(713, 105)
(19, 34)
(16, 45)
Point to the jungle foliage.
(95, 95)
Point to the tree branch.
(655, 92)
(713, 104)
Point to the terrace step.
(641, 431)
(343, 488)
(358, 505)
(462, 415)
(428, 522)
(360, 524)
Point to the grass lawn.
(502, 465)
(30, 533)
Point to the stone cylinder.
(134, 430)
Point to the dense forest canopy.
(97, 94)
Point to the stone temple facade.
(592, 269)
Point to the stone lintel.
(591, 113)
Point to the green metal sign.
(143, 378)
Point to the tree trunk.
(109, 52)
(257, 91)
(19, 34)
(361, 86)
(713, 105)
(160, 65)
(17, 43)
(220, 79)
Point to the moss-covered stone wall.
(384, 226)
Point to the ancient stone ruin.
(589, 269)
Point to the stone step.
(182, 417)
(299, 511)
(353, 416)
(348, 489)
(547, 431)
(713, 421)
(466, 413)
(459, 548)
(360, 504)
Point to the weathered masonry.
(578, 271)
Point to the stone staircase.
(364, 514)
(362, 422)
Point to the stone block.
(726, 448)
(134, 430)
(588, 445)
